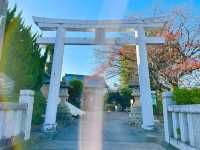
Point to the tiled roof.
(89, 81)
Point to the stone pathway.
(117, 135)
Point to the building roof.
(89, 81)
(46, 80)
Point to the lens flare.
(91, 125)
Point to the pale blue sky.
(80, 59)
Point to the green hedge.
(186, 96)
(38, 108)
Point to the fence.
(15, 118)
(181, 124)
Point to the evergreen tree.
(49, 55)
(22, 60)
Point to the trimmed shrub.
(121, 98)
(75, 92)
(184, 96)
(38, 108)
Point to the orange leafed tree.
(168, 62)
(176, 57)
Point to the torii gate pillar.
(145, 90)
(53, 96)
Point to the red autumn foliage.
(169, 35)
(171, 60)
(185, 67)
(185, 64)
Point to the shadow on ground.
(117, 135)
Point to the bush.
(159, 104)
(186, 96)
(159, 108)
(112, 97)
(121, 98)
(125, 97)
(75, 92)
(38, 108)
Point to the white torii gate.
(99, 27)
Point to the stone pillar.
(167, 100)
(91, 125)
(53, 94)
(145, 91)
(3, 10)
(27, 97)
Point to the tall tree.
(166, 62)
(49, 58)
(128, 66)
(178, 56)
(22, 59)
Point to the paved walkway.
(117, 135)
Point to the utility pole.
(3, 10)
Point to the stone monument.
(135, 115)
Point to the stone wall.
(181, 124)
(15, 119)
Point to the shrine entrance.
(137, 27)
